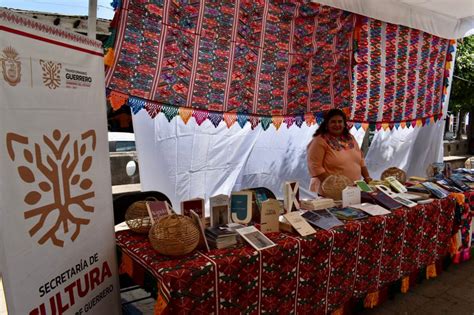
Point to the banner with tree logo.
(56, 220)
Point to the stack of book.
(221, 237)
(317, 204)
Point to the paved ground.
(452, 292)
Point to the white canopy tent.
(443, 18)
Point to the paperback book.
(157, 209)
(316, 204)
(396, 185)
(371, 209)
(348, 213)
(322, 219)
(255, 238)
(299, 224)
(436, 190)
(196, 204)
(203, 244)
(269, 216)
(219, 208)
(241, 207)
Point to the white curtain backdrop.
(189, 161)
(410, 149)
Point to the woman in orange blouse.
(334, 151)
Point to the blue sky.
(70, 7)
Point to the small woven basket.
(137, 217)
(174, 235)
(399, 174)
(333, 186)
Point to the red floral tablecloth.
(315, 274)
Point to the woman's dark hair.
(323, 128)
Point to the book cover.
(385, 201)
(269, 216)
(459, 184)
(363, 186)
(405, 202)
(436, 190)
(255, 238)
(396, 184)
(241, 207)
(157, 209)
(448, 185)
(299, 223)
(260, 197)
(322, 219)
(202, 236)
(219, 208)
(348, 213)
(196, 204)
(371, 209)
(291, 196)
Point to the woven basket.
(174, 235)
(399, 174)
(137, 217)
(333, 186)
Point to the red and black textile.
(315, 274)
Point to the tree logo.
(51, 73)
(60, 187)
(11, 66)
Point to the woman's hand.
(367, 179)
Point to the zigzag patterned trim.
(32, 24)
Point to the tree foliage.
(462, 91)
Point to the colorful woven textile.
(311, 275)
(271, 62)
(255, 57)
(399, 73)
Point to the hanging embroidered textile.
(272, 62)
(253, 57)
(399, 73)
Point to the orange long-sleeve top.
(326, 154)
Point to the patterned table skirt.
(316, 274)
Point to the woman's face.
(336, 125)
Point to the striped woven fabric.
(256, 57)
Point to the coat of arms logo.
(56, 171)
(11, 66)
(51, 73)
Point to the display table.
(311, 275)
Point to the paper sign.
(299, 223)
(350, 196)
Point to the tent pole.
(92, 19)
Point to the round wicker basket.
(399, 174)
(174, 235)
(137, 217)
(333, 186)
